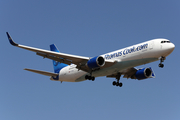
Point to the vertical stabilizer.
(57, 65)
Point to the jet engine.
(96, 62)
(144, 73)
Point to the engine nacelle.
(144, 73)
(96, 62)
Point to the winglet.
(10, 40)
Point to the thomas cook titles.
(126, 51)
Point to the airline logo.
(126, 51)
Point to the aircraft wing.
(132, 73)
(128, 73)
(74, 58)
(80, 61)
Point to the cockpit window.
(165, 42)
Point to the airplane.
(73, 68)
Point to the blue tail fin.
(57, 65)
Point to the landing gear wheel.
(87, 77)
(161, 60)
(120, 84)
(161, 65)
(114, 83)
(117, 84)
(118, 75)
(92, 78)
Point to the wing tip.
(10, 40)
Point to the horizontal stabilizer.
(42, 72)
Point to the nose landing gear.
(117, 83)
(161, 60)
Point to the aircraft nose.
(168, 49)
(171, 46)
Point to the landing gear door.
(151, 44)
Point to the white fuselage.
(125, 58)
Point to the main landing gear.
(117, 83)
(161, 60)
(87, 77)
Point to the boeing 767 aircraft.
(73, 68)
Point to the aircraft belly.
(70, 75)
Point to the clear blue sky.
(86, 28)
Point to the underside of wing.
(134, 73)
(128, 73)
